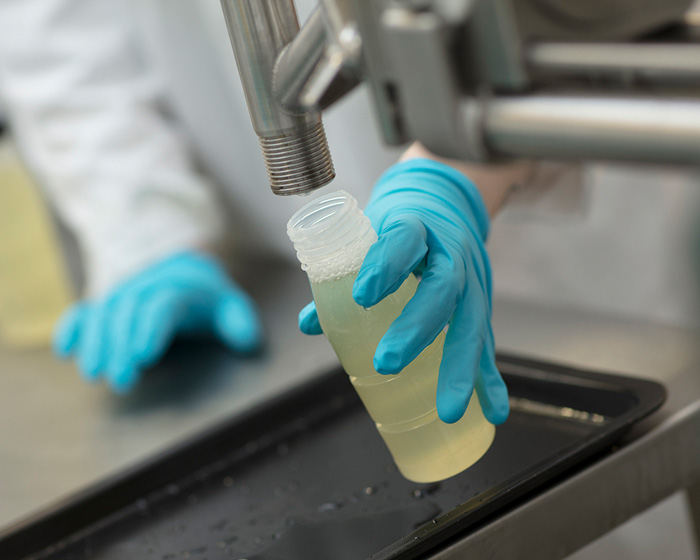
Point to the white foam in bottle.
(332, 237)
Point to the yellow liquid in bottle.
(424, 448)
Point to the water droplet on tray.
(282, 449)
(219, 525)
(330, 506)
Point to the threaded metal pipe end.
(298, 162)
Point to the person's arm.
(494, 181)
(83, 106)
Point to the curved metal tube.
(294, 146)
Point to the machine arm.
(473, 79)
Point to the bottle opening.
(331, 236)
(319, 215)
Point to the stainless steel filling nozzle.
(294, 144)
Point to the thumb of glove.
(236, 323)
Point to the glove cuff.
(465, 185)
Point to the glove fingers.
(308, 320)
(464, 345)
(415, 329)
(66, 333)
(123, 380)
(93, 347)
(492, 390)
(160, 318)
(237, 324)
(121, 367)
(398, 252)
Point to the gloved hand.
(131, 328)
(431, 219)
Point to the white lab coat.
(132, 115)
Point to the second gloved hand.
(130, 329)
(431, 219)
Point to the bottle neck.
(331, 236)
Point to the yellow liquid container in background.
(34, 289)
(332, 237)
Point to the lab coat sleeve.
(84, 108)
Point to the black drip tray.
(306, 476)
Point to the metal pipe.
(298, 61)
(628, 129)
(294, 146)
(656, 63)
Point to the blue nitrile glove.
(432, 220)
(131, 328)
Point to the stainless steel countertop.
(58, 434)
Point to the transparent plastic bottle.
(332, 237)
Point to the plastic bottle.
(332, 237)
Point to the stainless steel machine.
(473, 79)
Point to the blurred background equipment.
(477, 79)
(34, 288)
